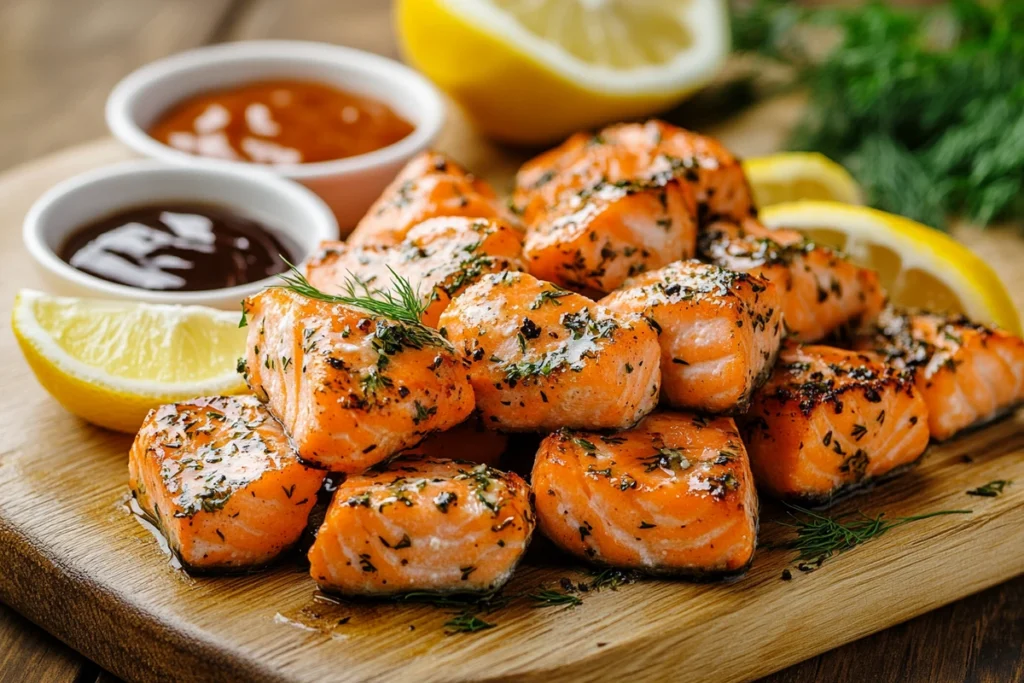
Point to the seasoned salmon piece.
(636, 152)
(592, 240)
(542, 357)
(429, 186)
(719, 331)
(967, 373)
(222, 482)
(822, 292)
(439, 257)
(674, 495)
(421, 524)
(351, 387)
(470, 441)
(829, 421)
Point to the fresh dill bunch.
(926, 109)
(819, 537)
(401, 303)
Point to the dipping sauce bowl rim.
(319, 225)
(407, 83)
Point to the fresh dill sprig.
(401, 303)
(991, 489)
(467, 622)
(819, 537)
(550, 597)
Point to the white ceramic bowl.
(281, 205)
(348, 185)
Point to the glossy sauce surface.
(280, 122)
(177, 247)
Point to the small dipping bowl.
(348, 185)
(288, 209)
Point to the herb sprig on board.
(991, 489)
(926, 109)
(819, 537)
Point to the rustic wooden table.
(58, 60)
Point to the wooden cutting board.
(73, 560)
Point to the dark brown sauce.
(280, 122)
(177, 247)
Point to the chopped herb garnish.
(549, 597)
(585, 445)
(465, 622)
(549, 295)
(991, 489)
(422, 412)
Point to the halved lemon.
(920, 267)
(109, 362)
(534, 71)
(792, 176)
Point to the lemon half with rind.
(919, 266)
(110, 362)
(534, 71)
(795, 176)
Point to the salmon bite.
(719, 331)
(351, 387)
(541, 357)
(830, 421)
(672, 496)
(222, 482)
(423, 524)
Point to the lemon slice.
(109, 362)
(792, 176)
(534, 71)
(920, 267)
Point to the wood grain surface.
(58, 59)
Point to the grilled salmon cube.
(222, 481)
(352, 388)
(429, 186)
(829, 421)
(822, 292)
(719, 331)
(674, 495)
(592, 240)
(637, 152)
(967, 373)
(439, 257)
(421, 524)
(541, 357)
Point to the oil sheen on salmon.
(177, 247)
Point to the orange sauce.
(280, 122)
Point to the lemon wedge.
(534, 71)
(109, 362)
(920, 267)
(792, 176)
